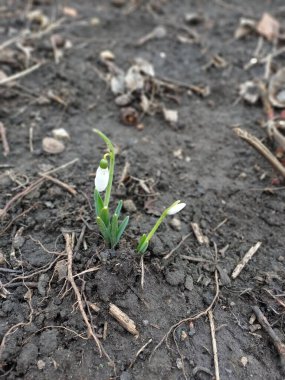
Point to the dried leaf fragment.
(268, 27)
(71, 12)
(249, 91)
(170, 115)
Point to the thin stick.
(68, 248)
(123, 319)
(280, 347)
(21, 74)
(261, 148)
(6, 149)
(214, 344)
(249, 254)
(177, 247)
(70, 189)
(139, 351)
(202, 239)
(33, 186)
(192, 318)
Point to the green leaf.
(143, 244)
(98, 202)
(119, 208)
(104, 215)
(114, 230)
(103, 229)
(122, 228)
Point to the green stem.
(159, 221)
(111, 168)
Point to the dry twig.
(202, 239)
(193, 317)
(70, 189)
(177, 247)
(261, 148)
(127, 323)
(280, 347)
(6, 149)
(245, 259)
(214, 344)
(68, 248)
(21, 74)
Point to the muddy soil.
(199, 160)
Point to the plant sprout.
(109, 226)
(144, 240)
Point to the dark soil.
(222, 180)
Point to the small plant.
(110, 227)
(144, 240)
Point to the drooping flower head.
(102, 176)
(176, 208)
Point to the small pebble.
(52, 146)
(60, 134)
(243, 361)
(41, 364)
(175, 223)
(189, 282)
(129, 205)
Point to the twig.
(245, 259)
(192, 318)
(280, 347)
(68, 248)
(202, 239)
(127, 323)
(6, 149)
(139, 352)
(81, 236)
(214, 344)
(261, 148)
(33, 186)
(21, 74)
(177, 247)
(70, 189)
(220, 224)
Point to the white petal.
(175, 209)
(101, 179)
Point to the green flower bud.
(103, 164)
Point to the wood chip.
(127, 323)
(245, 259)
(268, 27)
(199, 235)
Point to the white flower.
(101, 179)
(175, 209)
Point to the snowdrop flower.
(176, 208)
(102, 176)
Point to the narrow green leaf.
(122, 228)
(119, 208)
(98, 202)
(104, 215)
(114, 230)
(143, 247)
(143, 244)
(103, 229)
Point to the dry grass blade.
(261, 148)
